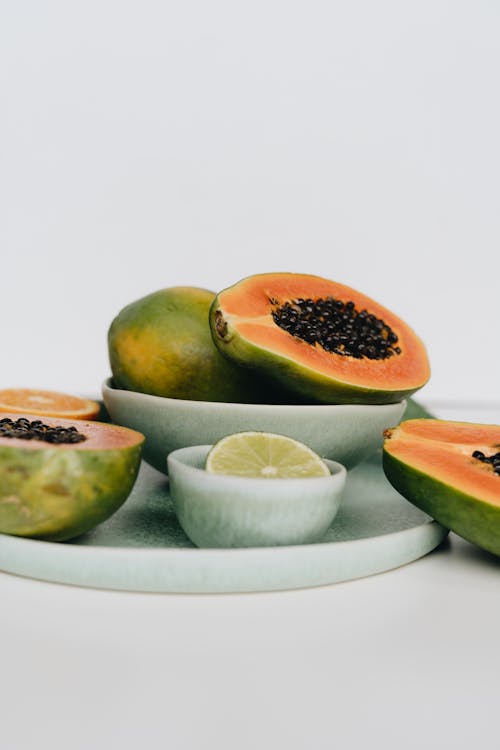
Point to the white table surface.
(406, 659)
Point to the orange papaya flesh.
(245, 329)
(56, 491)
(435, 465)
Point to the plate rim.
(192, 570)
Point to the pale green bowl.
(216, 510)
(345, 433)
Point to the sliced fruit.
(59, 477)
(320, 339)
(47, 403)
(265, 455)
(451, 470)
(161, 345)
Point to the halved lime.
(265, 455)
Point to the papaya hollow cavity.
(26, 429)
(493, 460)
(338, 327)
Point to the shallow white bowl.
(344, 433)
(216, 510)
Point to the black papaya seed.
(337, 327)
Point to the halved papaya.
(60, 477)
(319, 339)
(451, 470)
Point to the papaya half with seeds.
(450, 470)
(318, 338)
(59, 478)
(161, 345)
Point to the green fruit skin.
(471, 518)
(161, 345)
(58, 493)
(286, 374)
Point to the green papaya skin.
(474, 520)
(58, 492)
(465, 508)
(161, 345)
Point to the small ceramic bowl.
(216, 510)
(343, 432)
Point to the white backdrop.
(151, 144)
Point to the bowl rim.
(108, 386)
(338, 472)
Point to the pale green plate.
(143, 548)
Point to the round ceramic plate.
(143, 548)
